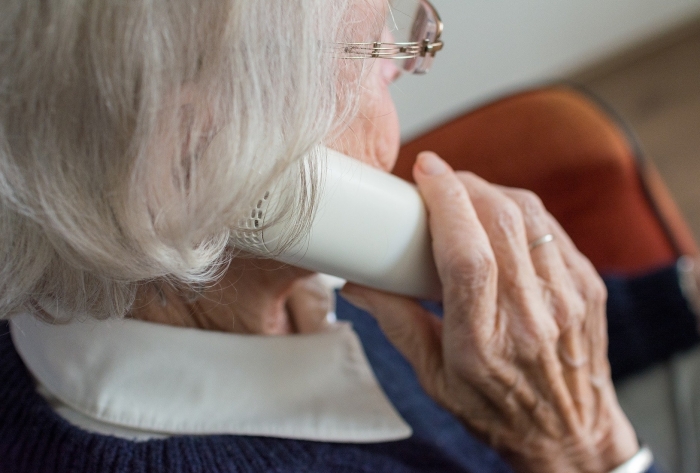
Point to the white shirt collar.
(164, 380)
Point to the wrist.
(639, 463)
(607, 447)
(621, 443)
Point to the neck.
(254, 296)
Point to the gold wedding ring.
(541, 241)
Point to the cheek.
(386, 132)
(374, 135)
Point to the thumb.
(414, 331)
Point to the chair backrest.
(564, 146)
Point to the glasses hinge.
(430, 48)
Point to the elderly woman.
(134, 135)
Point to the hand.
(254, 296)
(520, 355)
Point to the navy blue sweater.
(33, 438)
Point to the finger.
(414, 331)
(463, 254)
(474, 347)
(579, 266)
(308, 305)
(565, 301)
(452, 216)
(594, 323)
(587, 281)
(594, 292)
(518, 281)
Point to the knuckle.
(532, 204)
(509, 218)
(541, 335)
(450, 195)
(591, 286)
(453, 189)
(469, 267)
(575, 310)
(568, 305)
(528, 200)
(597, 293)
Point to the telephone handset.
(370, 227)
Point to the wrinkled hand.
(520, 355)
(254, 296)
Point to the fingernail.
(430, 164)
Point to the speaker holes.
(259, 213)
(267, 194)
(252, 214)
(257, 223)
(259, 204)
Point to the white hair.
(133, 134)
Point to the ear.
(195, 119)
(183, 127)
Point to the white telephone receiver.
(370, 227)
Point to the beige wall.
(493, 46)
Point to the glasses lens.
(400, 19)
(425, 27)
(414, 22)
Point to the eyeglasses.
(417, 53)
